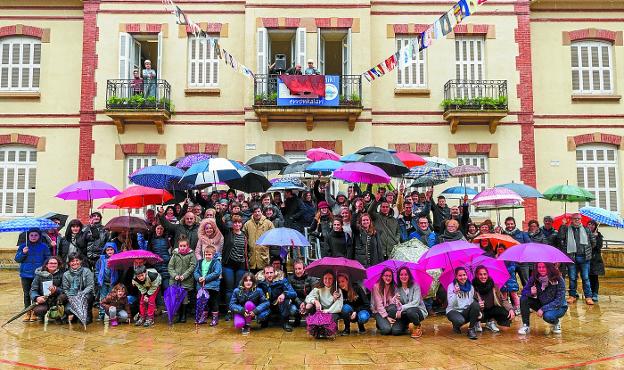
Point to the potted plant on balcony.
(351, 100)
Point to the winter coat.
(339, 244)
(253, 229)
(151, 283)
(36, 289)
(33, 259)
(460, 300)
(181, 229)
(204, 240)
(160, 246)
(256, 296)
(305, 216)
(597, 267)
(81, 244)
(279, 285)
(111, 300)
(360, 303)
(563, 242)
(519, 235)
(429, 240)
(511, 285)
(212, 280)
(403, 227)
(292, 208)
(439, 215)
(381, 300)
(368, 249)
(228, 244)
(96, 237)
(184, 265)
(303, 286)
(323, 227)
(551, 236)
(85, 285)
(326, 298)
(388, 228)
(101, 268)
(538, 237)
(413, 299)
(498, 299)
(552, 298)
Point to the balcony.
(271, 105)
(478, 101)
(131, 102)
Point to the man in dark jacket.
(386, 225)
(441, 212)
(279, 293)
(407, 222)
(549, 232)
(292, 207)
(302, 285)
(188, 227)
(577, 241)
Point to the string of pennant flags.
(439, 29)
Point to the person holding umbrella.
(235, 256)
(356, 306)
(462, 306)
(544, 293)
(46, 286)
(326, 298)
(30, 255)
(187, 227)
(181, 268)
(521, 237)
(78, 281)
(208, 275)
(494, 308)
(577, 241)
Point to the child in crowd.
(208, 275)
(511, 287)
(148, 282)
(116, 306)
(248, 302)
(105, 277)
(181, 267)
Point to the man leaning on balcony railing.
(311, 70)
(149, 76)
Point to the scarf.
(571, 243)
(483, 288)
(470, 236)
(543, 280)
(512, 232)
(464, 288)
(75, 281)
(452, 236)
(424, 235)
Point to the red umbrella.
(410, 159)
(141, 196)
(558, 221)
(496, 239)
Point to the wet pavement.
(592, 338)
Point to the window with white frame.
(18, 180)
(414, 75)
(592, 67)
(478, 183)
(469, 58)
(597, 171)
(293, 156)
(136, 162)
(20, 63)
(203, 63)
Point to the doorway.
(334, 51)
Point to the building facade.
(552, 70)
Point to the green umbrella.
(568, 193)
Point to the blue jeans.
(231, 278)
(551, 316)
(104, 290)
(581, 265)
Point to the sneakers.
(215, 319)
(416, 331)
(478, 327)
(228, 316)
(524, 330)
(139, 321)
(113, 322)
(589, 301)
(571, 299)
(557, 328)
(149, 322)
(287, 328)
(472, 333)
(345, 332)
(245, 330)
(491, 325)
(595, 298)
(517, 311)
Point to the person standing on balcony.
(149, 79)
(294, 70)
(310, 70)
(137, 83)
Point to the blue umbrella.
(287, 184)
(602, 216)
(353, 157)
(283, 237)
(158, 177)
(212, 171)
(525, 191)
(326, 166)
(27, 223)
(458, 192)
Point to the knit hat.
(322, 204)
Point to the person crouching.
(116, 306)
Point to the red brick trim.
(123, 150)
(393, 30)
(215, 149)
(37, 142)
(208, 27)
(333, 22)
(42, 34)
(43, 17)
(614, 37)
(491, 150)
(470, 29)
(303, 145)
(427, 149)
(594, 138)
(144, 28)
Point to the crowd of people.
(209, 241)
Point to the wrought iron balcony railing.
(475, 95)
(138, 95)
(265, 90)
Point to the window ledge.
(20, 95)
(425, 93)
(605, 98)
(202, 92)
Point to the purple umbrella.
(421, 277)
(443, 255)
(200, 305)
(353, 268)
(189, 160)
(173, 297)
(88, 190)
(362, 173)
(496, 269)
(534, 252)
(124, 260)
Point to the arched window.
(20, 63)
(597, 171)
(18, 180)
(592, 67)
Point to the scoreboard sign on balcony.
(331, 98)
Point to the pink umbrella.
(353, 268)
(362, 172)
(496, 269)
(534, 252)
(124, 260)
(444, 255)
(141, 196)
(319, 154)
(88, 190)
(496, 197)
(421, 277)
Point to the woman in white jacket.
(462, 306)
(326, 297)
(412, 310)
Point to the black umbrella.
(296, 167)
(388, 162)
(178, 197)
(267, 162)
(250, 182)
(371, 149)
(59, 216)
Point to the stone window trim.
(427, 149)
(614, 37)
(212, 28)
(310, 24)
(43, 34)
(215, 149)
(405, 29)
(145, 28)
(594, 138)
(37, 142)
(123, 150)
(303, 145)
(491, 150)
